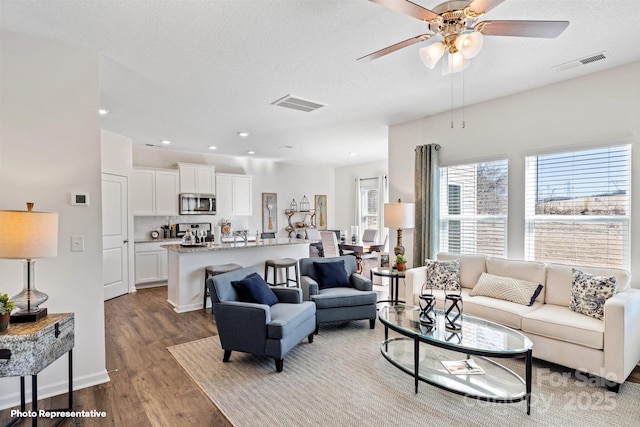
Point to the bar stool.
(277, 264)
(214, 270)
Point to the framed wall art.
(269, 212)
(321, 211)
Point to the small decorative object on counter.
(304, 204)
(293, 206)
(401, 262)
(155, 234)
(225, 226)
(453, 311)
(427, 305)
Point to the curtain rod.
(367, 179)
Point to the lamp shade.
(399, 215)
(470, 44)
(28, 234)
(431, 54)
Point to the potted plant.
(6, 306)
(401, 262)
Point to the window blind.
(473, 208)
(577, 207)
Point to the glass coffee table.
(422, 349)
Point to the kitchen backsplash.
(144, 225)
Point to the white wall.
(50, 144)
(599, 108)
(288, 181)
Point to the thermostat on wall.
(80, 199)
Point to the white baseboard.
(13, 399)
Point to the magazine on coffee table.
(462, 367)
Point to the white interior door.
(115, 276)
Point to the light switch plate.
(77, 243)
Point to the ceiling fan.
(455, 28)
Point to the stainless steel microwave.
(197, 204)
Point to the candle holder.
(427, 302)
(453, 312)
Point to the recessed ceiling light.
(352, 154)
(243, 134)
(166, 142)
(212, 147)
(103, 112)
(251, 152)
(285, 147)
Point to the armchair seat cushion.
(343, 297)
(286, 318)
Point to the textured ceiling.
(198, 72)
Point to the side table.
(28, 348)
(394, 285)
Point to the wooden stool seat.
(277, 264)
(213, 270)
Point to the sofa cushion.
(500, 311)
(444, 274)
(560, 278)
(343, 297)
(531, 271)
(507, 288)
(471, 266)
(331, 275)
(589, 293)
(253, 288)
(560, 323)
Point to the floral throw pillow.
(589, 293)
(444, 275)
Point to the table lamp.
(399, 215)
(28, 235)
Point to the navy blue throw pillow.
(331, 275)
(253, 288)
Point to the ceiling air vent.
(297, 104)
(580, 62)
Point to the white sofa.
(608, 348)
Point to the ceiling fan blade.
(478, 7)
(387, 50)
(543, 29)
(408, 8)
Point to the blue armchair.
(354, 300)
(260, 329)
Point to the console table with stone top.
(28, 348)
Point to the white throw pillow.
(507, 288)
(589, 293)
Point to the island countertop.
(209, 246)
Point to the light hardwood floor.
(147, 387)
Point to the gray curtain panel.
(427, 186)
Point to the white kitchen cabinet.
(233, 194)
(197, 179)
(155, 192)
(151, 262)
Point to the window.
(577, 207)
(369, 204)
(473, 208)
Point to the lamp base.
(28, 316)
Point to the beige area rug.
(341, 379)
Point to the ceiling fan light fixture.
(431, 54)
(455, 63)
(470, 44)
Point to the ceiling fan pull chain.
(463, 123)
(451, 110)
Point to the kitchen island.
(187, 264)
